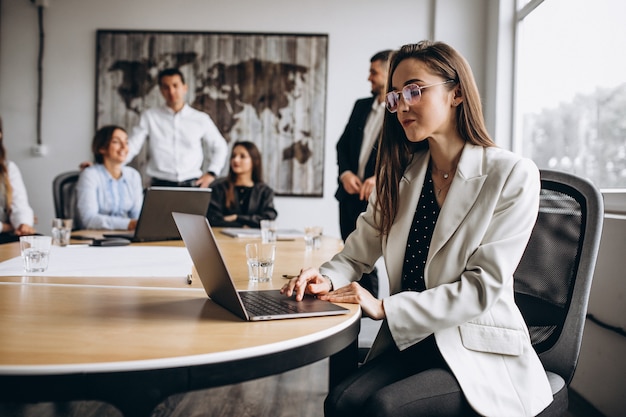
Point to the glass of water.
(35, 251)
(313, 237)
(61, 231)
(260, 257)
(268, 231)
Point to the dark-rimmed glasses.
(411, 94)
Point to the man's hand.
(350, 182)
(367, 188)
(205, 180)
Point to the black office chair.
(553, 280)
(63, 191)
(552, 285)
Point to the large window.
(570, 95)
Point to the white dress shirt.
(181, 144)
(371, 131)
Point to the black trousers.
(414, 382)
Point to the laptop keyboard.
(257, 304)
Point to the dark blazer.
(260, 207)
(349, 144)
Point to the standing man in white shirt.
(181, 140)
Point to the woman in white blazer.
(451, 216)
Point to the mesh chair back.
(553, 279)
(63, 190)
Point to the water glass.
(313, 237)
(268, 231)
(35, 251)
(61, 231)
(260, 257)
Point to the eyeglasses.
(410, 93)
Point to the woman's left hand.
(355, 294)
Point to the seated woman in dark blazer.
(242, 199)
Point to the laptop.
(219, 286)
(155, 221)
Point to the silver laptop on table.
(155, 221)
(219, 286)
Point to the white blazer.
(478, 241)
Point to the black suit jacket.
(349, 145)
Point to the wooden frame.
(266, 88)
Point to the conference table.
(134, 340)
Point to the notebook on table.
(247, 232)
(219, 286)
(155, 221)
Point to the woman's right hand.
(310, 281)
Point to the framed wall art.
(269, 88)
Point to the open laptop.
(219, 286)
(155, 221)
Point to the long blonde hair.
(4, 173)
(395, 151)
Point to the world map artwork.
(269, 89)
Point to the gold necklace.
(444, 174)
(439, 190)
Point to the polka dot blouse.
(419, 239)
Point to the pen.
(289, 276)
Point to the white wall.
(356, 29)
(599, 377)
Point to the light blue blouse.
(102, 202)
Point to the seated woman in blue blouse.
(109, 194)
(242, 199)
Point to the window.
(570, 92)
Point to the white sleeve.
(137, 137)
(21, 212)
(216, 153)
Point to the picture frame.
(269, 88)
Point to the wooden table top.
(59, 325)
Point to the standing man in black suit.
(356, 155)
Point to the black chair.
(552, 285)
(63, 191)
(553, 280)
